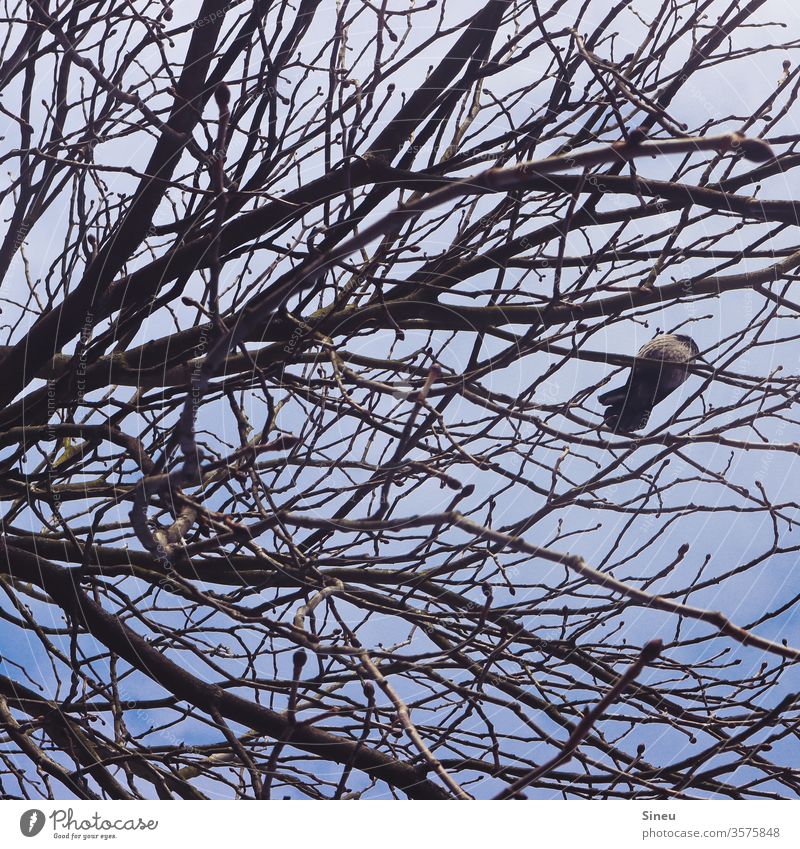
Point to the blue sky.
(720, 540)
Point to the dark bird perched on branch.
(660, 368)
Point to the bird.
(659, 368)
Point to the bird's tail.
(624, 413)
(615, 396)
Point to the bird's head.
(689, 342)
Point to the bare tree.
(306, 486)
